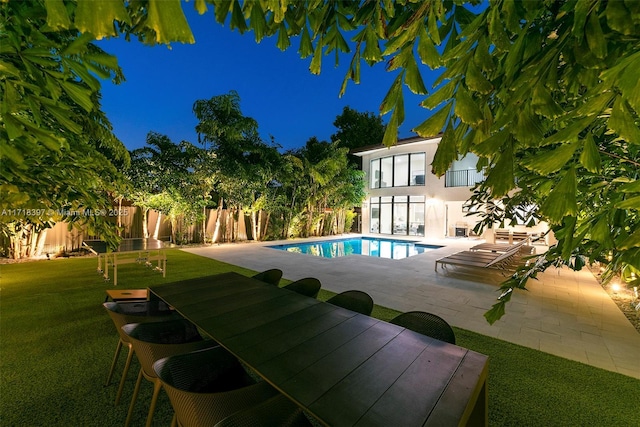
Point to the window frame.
(376, 182)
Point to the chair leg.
(115, 361)
(174, 421)
(133, 399)
(157, 385)
(124, 373)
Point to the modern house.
(405, 199)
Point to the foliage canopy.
(544, 92)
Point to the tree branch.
(624, 159)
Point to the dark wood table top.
(343, 367)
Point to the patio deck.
(564, 313)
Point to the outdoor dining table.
(344, 368)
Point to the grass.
(56, 345)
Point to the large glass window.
(374, 224)
(401, 170)
(386, 216)
(416, 216)
(401, 215)
(375, 174)
(386, 172)
(397, 171)
(417, 168)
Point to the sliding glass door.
(397, 215)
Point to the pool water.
(375, 247)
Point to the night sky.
(276, 88)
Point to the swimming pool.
(369, 246)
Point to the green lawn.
(56, 345)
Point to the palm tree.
(327, 175)
(245, 163)
(167, 177)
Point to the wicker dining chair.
(154, 341)
(357, 301)
(271, 276)
(309, 286)
(426, 324)
(122, 313)
(278, 411)
(207, 386)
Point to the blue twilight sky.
(275, 87)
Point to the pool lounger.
(481, 259)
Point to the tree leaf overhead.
(97, 18)
(167, 20)
(519, 80)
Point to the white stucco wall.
(439, 200)
(443, 205)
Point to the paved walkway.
(564, 313)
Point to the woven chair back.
(206, 386)
(271, 276)
(154, 341)
(309, 286)
(122, 313)
(357, 301)
(426, 324)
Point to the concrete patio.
(564, 313)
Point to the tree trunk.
(236, 224)
(157, 230)
(119, 216)
(22, 244)
(145, 224)
(172, 225)
(32, 237)
(229, 233)
(258, 235)
(42, 236)
(15, 246)
(266, 226)
(309, 224)
(204, 225)
(216, 230)
(254, 226)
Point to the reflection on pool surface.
(376, 247)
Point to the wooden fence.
(60, 238)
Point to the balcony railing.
(463, 178)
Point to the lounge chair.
(502, 234)
(519, 236)
(482, 259)
(496, 247)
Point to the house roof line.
(410, 140)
